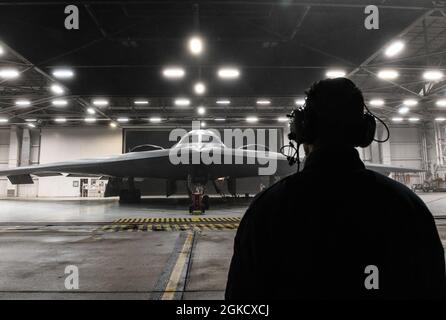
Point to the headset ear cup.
(369, 129)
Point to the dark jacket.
(312, 235)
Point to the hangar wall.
(63, 144)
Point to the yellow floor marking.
(175, 276)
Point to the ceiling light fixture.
(376, 102)
(59, 103)
(57, 89)
(174, 73)
(141, 102)
(201, 110)
(394, 48)
(403, 110)
(388, 74)
(433, 75)
(63, 73)
(182, 102)
(441, 103)
(228, 73)
(223, 102)
(23, 103)
(155, 119)
(199, 88)
(196, 45)
(410, 102)
(100, 102)
(9, 73)
(263, 102)
(332, 74)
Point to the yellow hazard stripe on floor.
(149, 227)
(177, 220)
(175, 276)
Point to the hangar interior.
(134, 71)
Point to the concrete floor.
(39, 238)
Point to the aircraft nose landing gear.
(199, 200)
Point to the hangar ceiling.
(279, 48)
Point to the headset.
(303, 130)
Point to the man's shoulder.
(279, 189)
(396, 190)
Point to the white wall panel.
(4, 156)
(66, 144)
(405, 146)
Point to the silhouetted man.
(335, 229)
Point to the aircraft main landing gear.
(130, 195)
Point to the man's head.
(333, 115)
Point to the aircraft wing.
(157, 164)
(153, 163)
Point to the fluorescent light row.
(176, 72)
(400, 119)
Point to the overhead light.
(30, 120)
(440, 119)
(433, 75)
(60, 120)
(397, 119)
(91, 111)
(335, 74)
(196, 45)
(174, 73)
(403, 110)
(410, 102)
(252, 119)
(220, 119)
(59, 103)
(113, 124)
(224, 102)
(201, 110)
(388, 74)
(155, 119)
(203, 124)
(282, 119)
(228, 73)
(299, 102)
(376, 102)
(140, 102)
(441, 103)
(90, 120)
(23, 103)
(57, 89)
(3, 120)
(414, 119)
(31, 125)
(121, 120)
(394, 48)
(181, 102)
(9, 73)
(63, 73)
(2, 51)
(263, 102)
(199, 88)
(100, 102)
